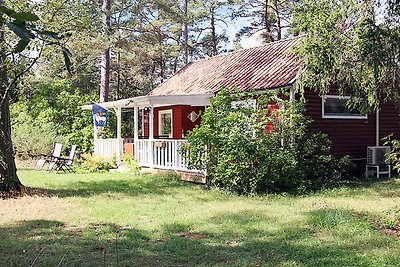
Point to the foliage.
(27, 28)
(93, 163)
(368, 70)
(59, 105)
(256, 152)
(394, 154)
(20, 35)
(319, 165)
(369, 66)
(131, 163)
(31, 137)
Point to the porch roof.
(157, 101)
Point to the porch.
(159, 126)
(156, 153)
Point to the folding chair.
(65, 164)
(49, 159)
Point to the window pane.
(337, 107)
(166, 124)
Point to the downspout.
(292, 94)
(377, 127)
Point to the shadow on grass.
(384, 187)
(328, 239)
(150, 184)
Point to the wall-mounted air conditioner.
(377, 155)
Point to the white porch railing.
(106, 148)
(162, 154)
(158, 153)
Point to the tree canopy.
(353, 45)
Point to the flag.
(100, 115)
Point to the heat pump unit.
(377, 155)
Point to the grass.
(125, 220)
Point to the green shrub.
(59, 104)
(260, 151)
(131, 163)
(93, 163)
(394, 154)
(319, 165)
(32, 138)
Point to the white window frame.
(250, 103)
(360, 117)
(161, 112)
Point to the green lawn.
(126, 220)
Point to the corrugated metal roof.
(264, 67)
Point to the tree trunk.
(118, 75)
(213, 33)
(105, 56)
(185, 33)
(8, 172)
(278, 21)
(269, 36)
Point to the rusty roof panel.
(258, 68)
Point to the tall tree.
(105, 56)
(8, 174)
(346, 45)
(185, 32)
(268, 17)
(208, 26)
(80, 23)
(14, 64)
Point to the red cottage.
(166, 114)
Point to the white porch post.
(135, 131)
(94, 132)
(95, 151)
(119, 139)
(151, 135)
(136, 123)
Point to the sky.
(254, 40)
(246, 42)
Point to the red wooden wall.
(351, 136)
(389, 121)
(180, 122)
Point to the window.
(335, 107)
(165, 123)
(250, 103)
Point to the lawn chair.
(65, 164)
(49, 159)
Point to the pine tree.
(270, 18)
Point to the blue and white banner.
(100, 115)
